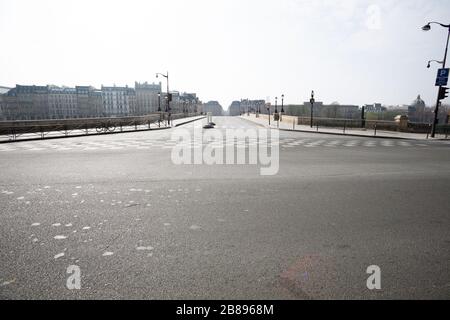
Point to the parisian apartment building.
(32, 102)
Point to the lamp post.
(159, 109)
(168, 94)
(312, 107)
(427, 27)
(276, 116)
(268, 112)
(282, 107)
(276, 105)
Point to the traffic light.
(443, 93)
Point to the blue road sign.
(442, 77)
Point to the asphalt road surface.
(139, 226)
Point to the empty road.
(139, 226)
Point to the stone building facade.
(89, 102)
(147, 97)
(118, 101)
(62, 103)
(214, 107)
(30, 102)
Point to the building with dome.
(417, 111)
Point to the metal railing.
(347, 125)
(32, 129)
(370, 127)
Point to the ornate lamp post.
(168, 94)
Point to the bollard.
(375, 130)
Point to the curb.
(253, 122)
(180, 124)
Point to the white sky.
(351, 51)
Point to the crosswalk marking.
(370, 144)
(146, 144)
(404, 144)
(314, 144)
(333, 143)
(351, 143)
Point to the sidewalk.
(288, 124)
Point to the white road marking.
(332, 144)
(351, 143)
(141, 248)
(314, 144)
(6, 283)
(59, 255)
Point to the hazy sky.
(350, 51)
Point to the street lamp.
(268, 111)
(312, 107)
(276, 116)
(282, 103)
(168, 94)
(427, 27)
(429, 63)
(276, 104)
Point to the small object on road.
(208, 126)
